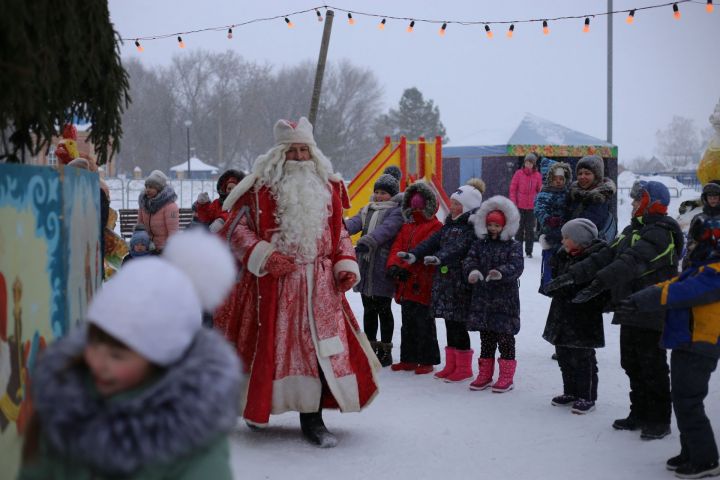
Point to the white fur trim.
(330, 346)
(296, 394)
(286, 134)
(259, 255)
(498, 202)
(237, 192)
(347, 266)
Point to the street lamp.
(187, 126)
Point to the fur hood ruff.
(188, 406)
(431, 203)
(600, 193)
(505, 205)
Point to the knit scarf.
(153, 205)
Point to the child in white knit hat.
(142, 389)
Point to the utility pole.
(610, 72)
(320, 72)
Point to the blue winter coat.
(380, 222)
(495, 305)
(552, 201)
(450, 289)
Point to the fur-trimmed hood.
(431, 203)
(498, 202)
(186, 408)
(600, 193)
(548, 166)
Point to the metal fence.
(124, 193)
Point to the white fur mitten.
(475, 276)
(493, 275)
(407, 257)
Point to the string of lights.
(445, 23)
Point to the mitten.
(559, 282)
(627, 307)
(278, 265)
(475, 276)
(431, 260)
(553, 222)
(345, 281)
(589, 292)
(366, 243)
(493, 275)
(407, 257)
(216, 225)
(203, 197)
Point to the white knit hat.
(468, 196)
(287, 132)
(154, 305)
(157, 180)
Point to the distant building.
(198, 170)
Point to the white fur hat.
(468, 196)
(287, 132)
(154, 305)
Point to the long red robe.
(289, 329)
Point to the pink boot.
(463, 366)
(505, 379)
(486, 367)
(449, 363)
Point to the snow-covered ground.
(421, 428)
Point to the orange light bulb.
(630, 18)
(709, 7)
(510, 31)
(381, 25)
(441, 32)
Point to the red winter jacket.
(524, 187)
(210, 211)
(417, 288)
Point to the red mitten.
(345, 281)
(278, 264)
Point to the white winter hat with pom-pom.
(154, 305)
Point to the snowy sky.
(663, 67)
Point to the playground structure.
(417, 160)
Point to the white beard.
(303, 201)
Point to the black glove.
(398, 273)
(559, 282)
(627, 307)
(589, 292)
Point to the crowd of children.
(465, 271)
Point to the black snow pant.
(418, 336)
(690, 374)
(457, 335)
(645, 364)
(491, 341)
(527, 230)
(579, 371)
(378, 307)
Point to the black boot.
(385, 354)
(629, 423)
(314, 430)
(655, 431)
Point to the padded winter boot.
(486, 367)
(689, 470)
(654, 431)
(314, 430)
(424, 369)
(385, 354)
(463, 366)
(403, 366)
(582, 406)
(630, 423)
(676, 461)
(376, 348)
(449, 364)
(563, 400)
(505, 379)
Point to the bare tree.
(679, 143)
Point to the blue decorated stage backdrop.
(49, 270)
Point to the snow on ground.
(421, 428)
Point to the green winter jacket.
(210, 463)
